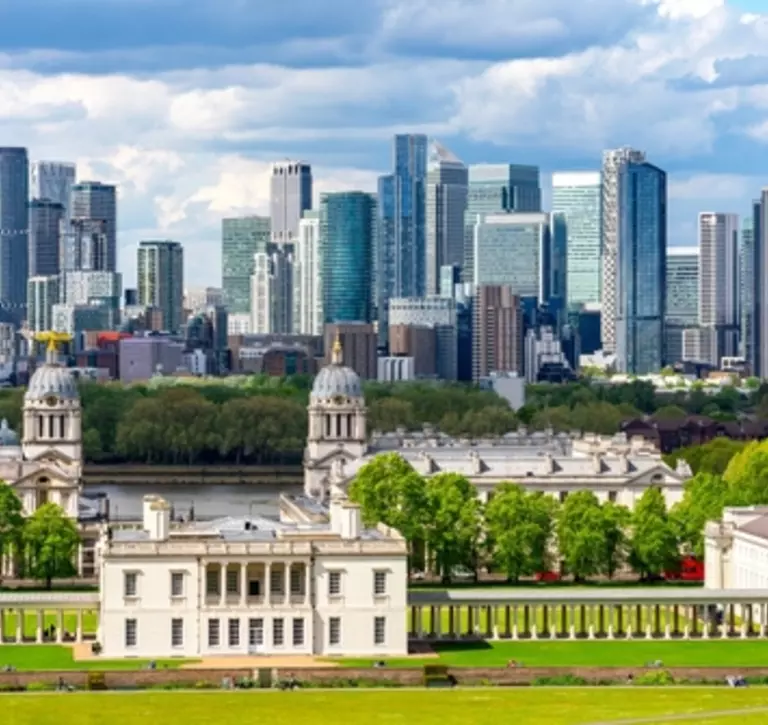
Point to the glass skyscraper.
(400, 249)
(241, 239)
(290, 197)
(642, 261)
(682, 303)
(746, 285)
(45, 217)
(160, 273)
(347, 232)
(578, 196)
(96, 201)
(14, 252)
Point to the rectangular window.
(214, 633)
(130, 584)
(177, 633)
(296, 585)
(379, 583)
(276, 581)
(334, 584)
(379, 630)
(298, 632)
(232, 576)
(177, 584)
(334, 630)
(234, 632)
(211, 581)
(278, 633)
(612, 496)
(131, 633)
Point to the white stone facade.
(736, 549)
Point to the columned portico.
(37, 618)
(249, 583)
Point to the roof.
(52, 379)
(757, 527)
(336, 380)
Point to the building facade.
(682, 299)
(272, 290)
(160, 272)
(746, 284)
(53, 180)
(45, 219)
(290, 197)
(98, 202)
(308, 317)
(497, 332)
(42, 295)
(84, 245)
(241, 239)
(14, 222)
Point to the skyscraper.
(241, 239)
(271, 290)
(14, 252)
(83, 245)
(45, 218)
(578, 195)
(290, 197)
(347, 232)
(446, 202)
(759, 361)
(494, 189)
(98, 202)
(642, 260)
(160, 272)
(497, 332)
(682, 299)
(308, 277)
(746, 282)
(53, 180)
(42, 295)
(614, 164)
(401, 221)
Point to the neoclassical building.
(616, 469)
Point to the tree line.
(264, 419)
(521, 533)
(43, 545)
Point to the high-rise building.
(682, 302)
(241, 239)
(42, 295)
(160, 273)
(14, 220)
(290, 197)
(53, 180)
(90, 289)
(614, 164)
(759, 361)
(271, 290)
(347, 233)
(400, 240)
(45, 217)
(746, 283)
(308, 316)
(446, 202)
(497, 332)
(84, 245)
(578, 196)
(495, 189)
(98, 202)
(719, 284)
(642, 262)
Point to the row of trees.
(44, 545)
(517, 531)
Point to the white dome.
(51, 380)
(336, 380)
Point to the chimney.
(157, 518)
(351, 520)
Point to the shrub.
(96, 648)
(559, 681)
(39, 687)
(656, 678)
(96, 681)
(205, 685)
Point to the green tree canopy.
(653, 546)
(11, 519)
(51, 541)
(705, 496)
(747, 475)
(581, 535)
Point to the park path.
(686, 717)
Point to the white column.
(20, 626)
(267, 582)
(60, 626)
(223, 584)
(39, 628)
(80, 560)
(287, 585)
(79, 632)
(726, 621)
(668, 614)
(307, 583)
(244, 584)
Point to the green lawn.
(600, 653)
(458, 707)
(59, 657)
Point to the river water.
(125, 501)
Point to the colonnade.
(50, 626)
(222, 593)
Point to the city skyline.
(188, 127)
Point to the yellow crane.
(53, 340)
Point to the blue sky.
(184, 103)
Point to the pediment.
(328, 458)
(667, 475)
(56, 479)
(54, 456)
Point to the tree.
(704, 498)
(615, 521)
(452, 522)
(581, 535)
(670, 412)
(747, 475)
(51, 541)
(388, 414)
(519, 527)
(654, 546)
(11, 520)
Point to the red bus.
(691, 570)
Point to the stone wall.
(123, 678)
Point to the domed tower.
(337, 422)
(52, 416)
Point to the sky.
(184, 103)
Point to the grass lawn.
(58, 657)
(458, 707)
(600, 653)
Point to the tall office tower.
(160, 274)
(98, 202)
(53, 180)
(271, 290)
(14, 251)
(308, 277)
(614, 164)
(42, 295)
(401, 254)
(525, 252)
(746, 284)
(578, 196)
(718, 286)
(290, 197)
(45, 217)
(446, 203)
(682, 304)
(494, 189)
(642, 263)
(80, 289)
(241, 239)
(347, 231)
(84, 245)
(759, 361)
(497, 332)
